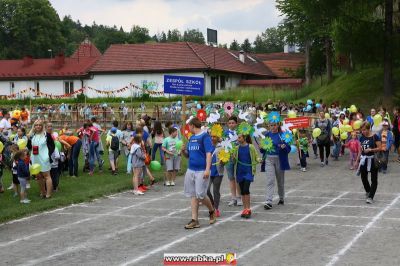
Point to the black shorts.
(15, 179)
(244, 187)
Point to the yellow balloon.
(377, 119)
(353, 109)
(342, 128)
(22, 144)
(357, 124)
(343, 136)
(263, 114)
(348, 128)
(1, 146)
(316, 132)
(346, 121)
(327, 116)
(35, 169)
(335, 131)
(291, 114)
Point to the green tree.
(193, 35)
(234, 46)
(29, 27)
(163, 37)
(138, 35)
(246, 46)
(174, 36)
(270, 41)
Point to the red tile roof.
(279, 62)
(273, 83)
(76, 66)
(179, 56)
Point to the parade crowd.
(217, 144)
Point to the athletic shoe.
(25, 201)
(369, 201)
(138, 192)
(145, 187)
(192, 224)
(366, 195)
(248, 214)
(172, 183)
(326, 162)
(322, 164)
(168, 183)
(217, 213)
(91, 173)
(244, 213)
(267, 206)
(28, 185)
(303, 169)
(141, 190)
(10, 187)
(233, 202)
(239, 202)
(281, 202)
(213, 217)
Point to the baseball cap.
(113, 130)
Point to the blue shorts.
(230, 170)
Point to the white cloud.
(234, 19)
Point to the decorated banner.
(298, 122)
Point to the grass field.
(71, 190)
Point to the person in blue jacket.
(277, 163)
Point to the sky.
(233, 19)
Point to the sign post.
(183, 85)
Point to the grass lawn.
(71, 190)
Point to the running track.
(325, 221)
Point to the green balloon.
(178, 145)
(155, 166)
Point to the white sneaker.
(239, 202)
(233, 202)
(137, 192)
(172, 183)
(369, 201)
(25, 201)
(168, 183)
(10, 187)
(303, 169)
(28, 185)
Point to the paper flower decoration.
(213, 118)
(201, 114)
(267, 144)
(287, 137)
(186, 131)
(244, 128)
(217, 130)
(229, 108)
(274, 117)
(223, 156)
(263, 114)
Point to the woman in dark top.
(370, 143)
(324, 140)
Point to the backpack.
(114, 143)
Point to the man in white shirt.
(5, 125)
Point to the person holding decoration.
(302, 143)
(219, 157)
(322, 133)
(277, 162)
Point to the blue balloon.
(293, 149)
(198, 106)
(309, 102)
(195, 102)
(308, 108)
(318, 105)
(179, 102)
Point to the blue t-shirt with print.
(145, 135)
(197, 148)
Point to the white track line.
(343, 251)
(181, 239)
(4, 244)
(103, 238)
(266, 240)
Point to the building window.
(222, 82)
(37, 88)
(12, 87)
(68, 87)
